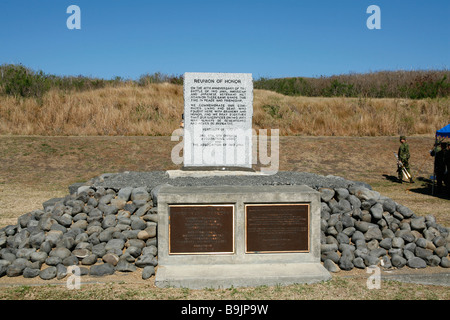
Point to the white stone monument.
(218, 110)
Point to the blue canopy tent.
(444, 132)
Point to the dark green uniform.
(403, 155)
(447, 167)
(439, 163)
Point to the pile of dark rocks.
(361, 228)
(100, 230)
(109, 224)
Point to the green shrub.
(159, 77)
(424, 86)
(272, 110)
(18, 80)
(382, 84)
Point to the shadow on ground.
(391, 178)
(424, 186)
(428, 188)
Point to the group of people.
(441, 154)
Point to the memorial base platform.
(239, 275)
(234, 236)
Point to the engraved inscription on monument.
(201, 229)
(277, 228)
(218, 110)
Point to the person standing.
(403, 156)
(439, 163)
(447, 167)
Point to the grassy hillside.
(320, 116)
(156, 109)
(32, 103)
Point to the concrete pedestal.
(238, 268)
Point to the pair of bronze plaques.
(209, 229)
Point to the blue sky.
(279, 38)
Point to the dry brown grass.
(348, 116)
(126, 110)
(132, 287)
(156, 109)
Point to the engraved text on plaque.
(277, 228)
(201, 229)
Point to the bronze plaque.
(277, 228)
(200, 229)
